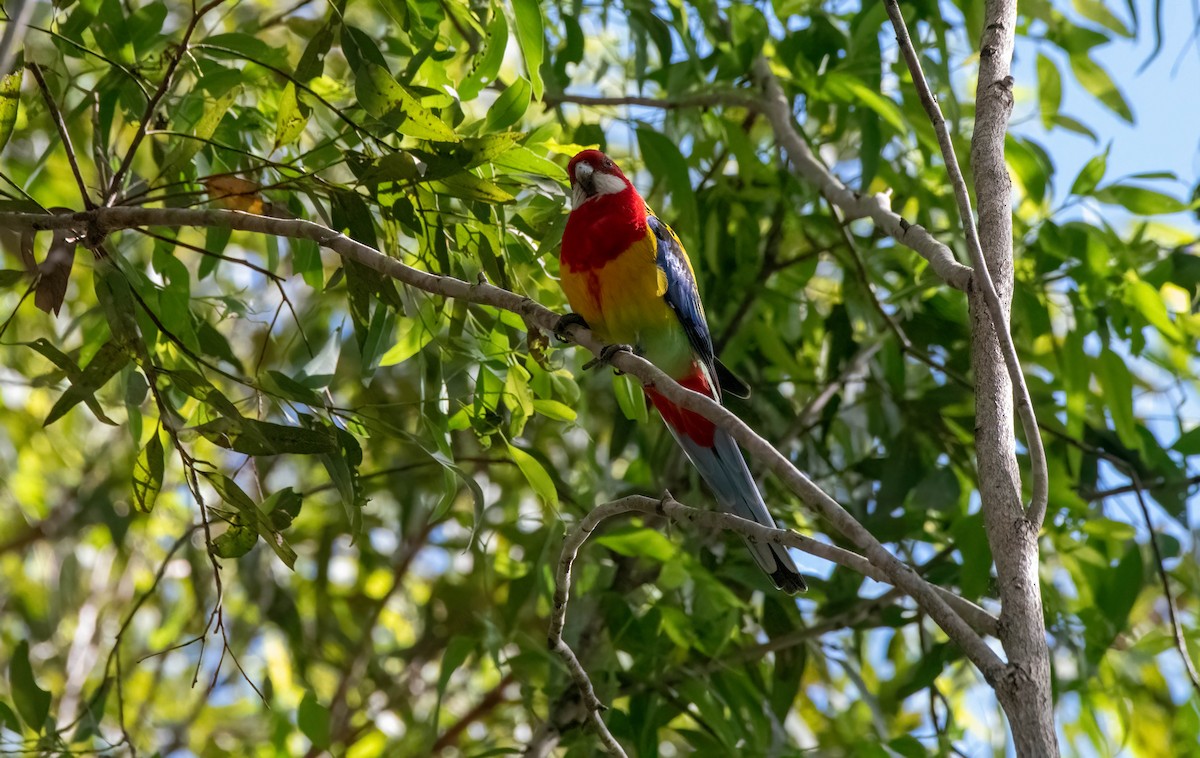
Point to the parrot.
(628, 279)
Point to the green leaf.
(10, 101)
(8, 719)
(1122, 584)
(1097, 12)
(638, 541)
(531, 37)
(1096, 80)
(411, 335)
(291, 118)
(849, 89)
(251, 514)
(452, 490)
(1091, 174)
(110, 359)
(456, 652)
(1148, 301)
(235, 542)
(148, 474)
(248, 46)
(630, 398)
(10, 276)
(554, 409)
(664, 160)
(385, 99)
(1049, 90)
(342, 467)
(1139, 200)
(524, 160)
(909, 746)
(487, 66)
(116, 297)
(971, 540)
(535, 474)
(509, 107)
(487, 148)
(1117, 385)
(33, 703)
(185, 149)
(1028, 167)
(312, 60)
(1075, 125)
(254, 437)
(283, 507)
(471, 187)
(314, 720)
(1188, 442)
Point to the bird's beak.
(585, 180)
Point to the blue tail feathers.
(724, 469)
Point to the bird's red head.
(594, 174)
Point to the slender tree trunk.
(1023, 689)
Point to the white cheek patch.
(607, 184)
(578, 197)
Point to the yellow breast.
(623, 298)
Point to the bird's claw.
(607, 353)
(565, 322)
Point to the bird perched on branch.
(629, 279)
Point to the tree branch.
(994, 139)
(104, 220)
(778, 111)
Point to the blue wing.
(683, 296)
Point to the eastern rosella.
(627, 275)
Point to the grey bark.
(1023, 688)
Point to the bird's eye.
(608, 163)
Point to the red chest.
(601, 229)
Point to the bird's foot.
(564, 323)
(607, 353)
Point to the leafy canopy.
(383, 475)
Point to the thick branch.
(778, 111)
(104, 220)
(988, 142)
(1024, 691)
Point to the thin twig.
(488, 702)
(1040, 490)
(56, 116)
(1127, 488)
(1172, 611)
(558, 619)
(892, 324)
(114, 187)
(699, 100)
(283, 15)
